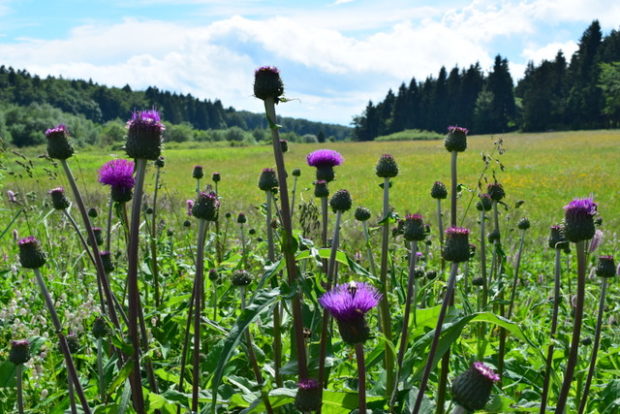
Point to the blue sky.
(334, 55)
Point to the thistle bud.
(187, 223)
(58, 146)
(456, 247)
(197, 172)
(362, 214)
(267, 83)
(341, 201)
(472, 389)
(159, 162)
(296, 172)
(439, 190)
(524, 224)
(106, 259)
(100, 327)
(267, 179)
(606, 266)
(456, 140)
(386, 167)
(30, 254)
(496, 191)
(414, 229)
(494, 236)
(241, 278)
(20, 351)
(216, 177)
(579, 219)
(92, 212)
(206, 206)
(241, 218)
(308, 397)
(73, 342)
(59, 201)
(478, 281)
(320, 189)
(98, 236)
(214, 276)
(485, 203)
(556, 238)
(431, 274)
(284, 145)
(144, 135)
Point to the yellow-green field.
(546, 170)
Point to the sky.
(334, 55)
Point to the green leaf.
(7, 374)
(260, 302)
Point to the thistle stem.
(384, 307)
(411, 297)
(454, 185)
(595, 347)
(361, 375)
(19, 376)
(554, 326)
(108, 238)
(574, 348)
(440, 229)
(71, 396)
(277, 342)
(101, 276)
(293, 193)
(371, 260)
(433, 350)
(331, 277)
(459, 410)
(132, 286)
(198, 287)
(324, 214)
(188, 323)
(287, 242)
(64, 347)
(100, 373)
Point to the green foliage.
(609, 82)
(410, 135)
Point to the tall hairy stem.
(277, 343)
(384, 307)
(574, 346)
(287, 239)
(431, 354)
(198, 288)
(132, 287)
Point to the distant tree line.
(555, 95)
(98, 104)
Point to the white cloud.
(333, 58)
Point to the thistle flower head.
(144, 135)
(350, 301)
(308, 397)
(206, 206)
(106, 259)
(30, 254)
(439, 190)
(267, 83)
(456, 140)
(523, 224)
(579, 219)
(197, 172)
(496, 191)
(456, 248)
(268, 179)
(413, 228)
(296, 172)
(386, 166)
(241, 218)
(321, 189)
(59, 200)
(606, 266)
(58, 145)
(341, 201)
(20, 351)
(485, 203)
(216, 177)
(362, 214)
(117, 173)
(190, 205)
(472, 388)
(324, 157)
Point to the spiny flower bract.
(350, 301)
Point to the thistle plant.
(605, 269)
(58, 147)
(455, 142)
(118, 174)
(144, 139)
(19, 355)
(579, 227)
(439, 192)
(324, 160)
(32, 257)
(340, 203)
(268, 86)
(348, 303)
(386, 168)
(267, 182)
(159, 164)
(456, 250)
(471, 389)
(296, 174)
(197, 174)
(362, 214)
(206, 210)
(558, 242)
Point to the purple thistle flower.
(58, 129)
(308, 396)
(596, 241)
(486, 371)
(579, 219)
(454, 129)
(27, 240)
(117, 173)
(457, 230)
(324, 158)
(308, 384)
(148, 117)
(350, 301)
(271, 69)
